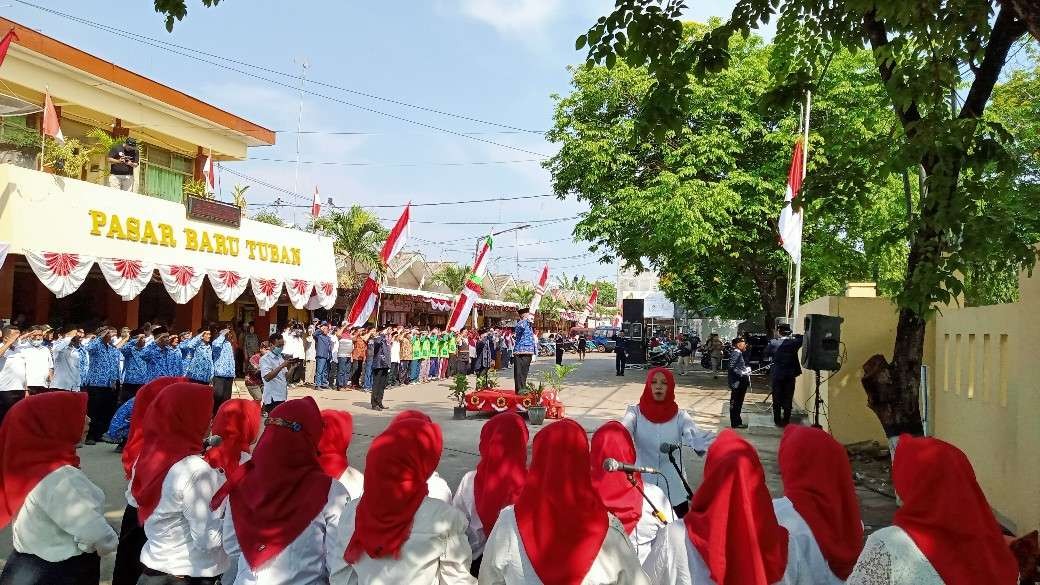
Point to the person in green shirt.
(424, 344)
(448, 348)
(435, 354)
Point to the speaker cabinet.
(632, 325)
(821, 348)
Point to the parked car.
(603, 337)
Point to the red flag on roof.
(6, 44)
(51, 126)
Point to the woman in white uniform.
(944, 532)
(56, 513)
(439, 488)
(559, 532)
(657, 420)
(332, 451)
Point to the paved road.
(593, 395)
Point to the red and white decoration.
(589, 306)
(182, 282)
(315, 204)
(126, 277)
(790, 223)
(539, 289)
(464, 305)
(51, 126)
(266, 291)
(299, 292)
(365, 302)
(228, 284)
(438, 305)
(398, 236)
(209, 174)
(326, 294)
(60, 272)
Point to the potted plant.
(195, 188)
(459, 386)
(536, 410)
(551, 379)
(65, 158)
(488, 380)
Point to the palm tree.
(239, 196)
(453, 276)
(357, 238)
(522, 293)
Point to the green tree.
(175, 10)
(607, 292)
(453, 276)
(522, 293)
(922, 53)
(269, 217)
(357, 238)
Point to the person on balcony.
(123, 159)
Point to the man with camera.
(123, 159)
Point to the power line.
(398, 164)
(145, 41)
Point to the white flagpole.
(798, 265)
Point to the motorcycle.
(662, 356)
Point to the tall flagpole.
(790, 261)
(801, 212)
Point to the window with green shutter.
(164, 173)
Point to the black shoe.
(740, 426)
(376, 407)
(90, 442)
(383, 406)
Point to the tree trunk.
(1029, 12)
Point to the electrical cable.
(399, 164)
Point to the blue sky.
(494, 60)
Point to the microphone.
(667, 448)
(611, 464)
(212, 441)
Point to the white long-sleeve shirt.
(891, 557)
(300, 563)
(354, 482)
(435, 553)
(66, 364)
(465, 501)
(63, 516)
(649, 530)
(438, 488)
(648, 436)
(184, 535)
(38, 365)
(506, 562)
(800, 534)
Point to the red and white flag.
(584, 317)
(365, 302)
(480, 264)
(51, 127)
(790, 223)
(6, 44)
(464, 305)
(398, 236)
(209, 174)
(315, 204)
(539, 289)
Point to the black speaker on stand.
(821, 350)
(632, 326)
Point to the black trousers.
(128, 555)
(8, 398)
(682, 509)
(736, 401)
(783, 396)
(128, 391)
(379, 379)
(559, 357)
(619, 362)
(406, 372)
(156, 578)
(268, 407)
(221, 391)
(523, 368)
(101, 405)
(355, 374)
(27, 569)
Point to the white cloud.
(513, 17)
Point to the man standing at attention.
(620, 351)
(784, 371)
(380, 366)
(322, 355)
(739, 381)
(524, 349)
(272, 371)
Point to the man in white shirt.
(293, 348)
(272, 372)
(65, 355)
(12, 369)
(39, 368)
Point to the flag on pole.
(480, 265)
(209, 174)
(790, 223)
(584, 317)
(51, 127)
(365, 302)
(315, 205)
(539, 289)
(6, 44)
(398, 236)
(464, 305)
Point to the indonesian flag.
(464, 305)
(790, 223)
(315, 204)
(398, 236)
(480, 265)
(209, 174)
(6, 44)
(584, 317)
(365, 302)
(539, 289)
(51, 127)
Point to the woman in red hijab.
(237, 423)
(559, 532)
(819, 509)
(281, 504)
(642, 507)
(657, 420)
(396, 533)
(56, 513)
(173, 486)
(439, 489)
(332, 451)
(497, 480)
(944, 533)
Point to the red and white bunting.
(539, 289)
(365, 302)
(299, 291)
(464, 305)
(398, 236)
(438, 305)
(266, 291)
(61, 273)
(228, 284)
(589, 306)
(127, 277)
(182, 282)
(326, 294)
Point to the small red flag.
(315, 204)
(51, 125)
(6, 44)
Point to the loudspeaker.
(821, 347)
(632, 310)
(632, 325)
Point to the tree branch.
(1006, 30)
(877, 34)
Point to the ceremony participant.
(620, 352)
(56, 513)
(657, 420)
(524, 349)
(449, 346)
(642, 508)
(784, 372)
(237, 423)
(819, 509)
(65, 352)
(497, 480)
(396, 533)
(738, 377)
(198, 364)
(559, 531)
(100, 383)
(274, 375)
(223, 366)
(173, 486)
(439, 489)
(944, 532)
(162, 355)
(406, 357)
(280, 505)
(380, 366)
(423, 343)
(332, 451)
(370, 348)
(715, 346)
(357, 358)
(344, 351)
(135, 369)
(39, 363)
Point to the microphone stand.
(671, 457)
(657, 513)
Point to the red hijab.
(731, 519)
(238, 424)
(332, 448)
(142, 401)
(946, 514)
(619, 496)
(818, 480)
(654, 411)
(560, 516)
(38, 435)
(176, 425)
(277, 493)
(399, 462)
(411, 415)
(502, 467)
